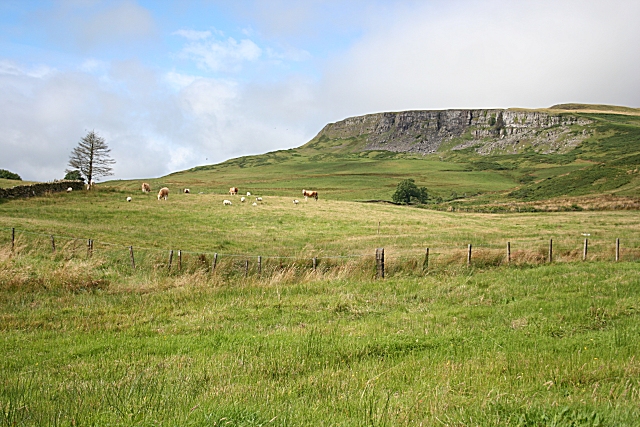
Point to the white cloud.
(222, 55)
(192, 34)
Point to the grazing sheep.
(258, 199)
(248, 194)
(226, 202)
(254, 204)
(242, 199)
(69, 190)
(128, 199)
(163, 193)
(187, 191)
(296, 201)
(146, 188)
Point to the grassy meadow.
(223, 321)
(91, 341)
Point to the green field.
(218, 339)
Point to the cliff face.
(488, 131)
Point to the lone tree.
(91, 157)
(408, 191)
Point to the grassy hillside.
(607, 163)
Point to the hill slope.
(474, 158)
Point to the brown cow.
(309, 193)
(163, 193)
(233, 191)
(146, 188)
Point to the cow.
(163, 193)
(233, 191)
(309, 193)
(226, 202)
(146, 188)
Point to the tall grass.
(87, 344)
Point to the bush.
(74, 176)
(408, 191)
(9, 175)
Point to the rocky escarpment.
(487, 131)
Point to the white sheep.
(242, 199)
(248, 194)
(296, 201)
(259, 199)
(254, 204)
(69, 190)
(226, 202)
(187, 191)
(128, 199)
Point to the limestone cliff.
(487, 131)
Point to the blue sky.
(172, 85)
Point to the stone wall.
(39, 189)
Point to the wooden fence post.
(133, 262)
(246, 268)
(425, 264)
(259, 265)
(508, 252)
(315, 263)
(380, 263)
(584, 249)
(170, 259)
(550, 250)
(214, 262)
(378, 227)
(469, 255)
(617, 249)
(13, 239)
(179, 259)
(89, 248)
(53, 244)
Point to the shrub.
(408, 191)
(9, 175)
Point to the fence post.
(469, 255)
(89, 248)
(259, 265)
(550, 250)
(508, 252)
(214, 262)
(315, 263)
(380, 263)
(133, 262)
(179, 260)
(13, 239)
(378, 227)
(170, 258)
(584, 249)
(425, 264)
(246, 268)
(53, 244)
(617, 249)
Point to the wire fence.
(128, 258)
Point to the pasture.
(91, 341)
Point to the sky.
(175, 84)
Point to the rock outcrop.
(487, 131)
